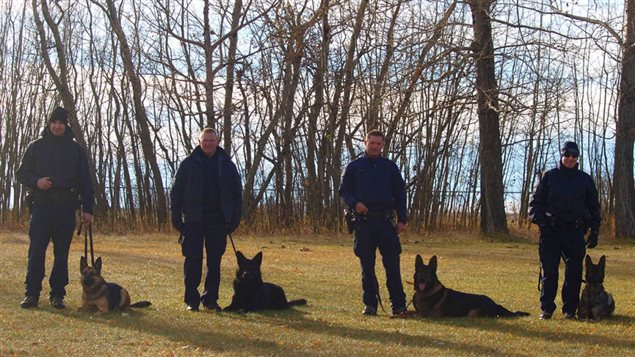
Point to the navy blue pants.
(50, 221)
(212, 235)
(569, 246)
(370, 235)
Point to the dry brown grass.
(325, 272)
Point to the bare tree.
(493, 220)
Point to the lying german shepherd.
(432, 299)
(101, 296)
(595, 303)
(251, 293)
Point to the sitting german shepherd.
(101, 296)
(251, 293)
(595, 303)
(432, 299)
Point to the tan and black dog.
(432, 299)
(101, 296)
(595, 303)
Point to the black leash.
(232, 241)
(87, 233)
(378, 295)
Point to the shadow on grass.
(189, 335)
(297, 320)
(502, 325)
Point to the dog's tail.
(521, 313)
(140, 304)
(297, 302)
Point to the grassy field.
(325, 272)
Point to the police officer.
(55, 170)
(373, 189)
(564, 206)
(206, 204)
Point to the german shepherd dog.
(432, 299)
(595, 303)
(251, 293)
(101, 296)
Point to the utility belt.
(353, 219)
(56, 195)
(561, 225)
(372, 216)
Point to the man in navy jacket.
(564, 206)
(206, 204)
(55, 171)
(372, 187)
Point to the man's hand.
(44, 183)
(401, 227)
(87, 218)
(361, 208)
(592, 240)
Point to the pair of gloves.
(591, 241)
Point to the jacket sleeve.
(538, 202)
(399, 194)
(347, 187)
(593, 205)
(86, 188)
(237, 197)
(176, 196)
(25, 174)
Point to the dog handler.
(373, 188)
(55, 171)
(564, 206)
(206, 203)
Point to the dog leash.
(87, 233)
(232, 241)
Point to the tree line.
(475, 98)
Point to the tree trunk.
(229, 84)
(493, 220)
(140, 113)
(625, 135)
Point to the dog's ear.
(258, 259)
(240, 257)
(602, 265)
(98, 265)
(418, 262)
(83, 264)
(588, 265)
(433, 263)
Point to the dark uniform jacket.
(569, 196)
(377, 183)
(187, 191)
(64, 161)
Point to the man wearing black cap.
(564, 206)
(55, 171)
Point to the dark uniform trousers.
(50, 221)
(212, 234)
(370, 235)
(569, 245)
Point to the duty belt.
(378, 215)
(55, 196)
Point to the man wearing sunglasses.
(564, 206)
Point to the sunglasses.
(568, 154)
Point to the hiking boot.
(546, 315)
(57, 302)
(369, 310)
(29, 302)
(213, 307)
(399, 311)
(569, 316)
